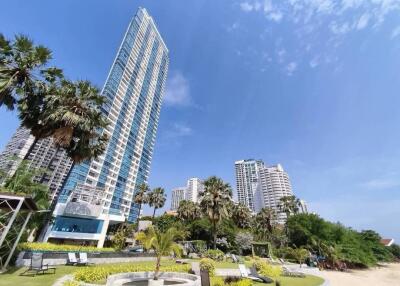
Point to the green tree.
(214, 203)
(157, 199)
(140, 197)
(48, 104)
(300, 254)
(188, 210)
(241, 215)
(162, 243)
(289, 205)
(263, 223)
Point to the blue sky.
(313, 85)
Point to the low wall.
(61, 258)
(122, 278)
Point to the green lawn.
(13, 277)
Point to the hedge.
(45, 247)
(101, 272)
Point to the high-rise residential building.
(247, 182)
(303, 207)
(193, 189)
(274, 185)
(16, 150)
(133, 90)
(178, 195)
(39, 154)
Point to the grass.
(13, 277)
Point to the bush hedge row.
(98, 273)
(45, 246)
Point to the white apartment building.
(274, 185)
(193, 189)
(247, 182)
(178, 195)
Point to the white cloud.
(381, 184)
(275, 16)
(395, 32)
(177, 91)
(291, 68)
(246, 6)
(314, 62)
(339, 29)
(363, 21)
(178, 130)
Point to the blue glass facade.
(79, 225)
(134, 95)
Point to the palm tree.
(289, 205)
(21, 65)
(157, 199)
(48, 104)
(162, 244)
(241, 215)
(140, 197)
(188, 210)
(214, 202)
(264, 223)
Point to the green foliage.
(45, 246)
(166, 221)
(300, 254)
(97, 273)
(244, 241)
(156, 199)
(267, 269)
(71, 283)
(241, 215)
(395, 250)
(215, 254)
(336, 242)
(208, 264)
(200, 246)
(217, 281)
(235, 281)
(188, 211)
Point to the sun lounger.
(72, 259)
(245, 274)
(289, 273)
(83, 259)
(37, 265)
(254, 273)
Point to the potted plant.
(162, 243)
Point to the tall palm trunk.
(138, 217)
(154, 212)
(215, 234)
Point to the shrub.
(242, 282)
(208, 264)
(71, 283)
(217, 281)
(215, 254)
(45, 246)
(101, 272)
(267, 269)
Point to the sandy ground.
(385, 275)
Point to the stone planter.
(159, 282)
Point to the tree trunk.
(215, 234)
(137, 221)
(157, 268)
(154, 212)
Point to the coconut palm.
(289, 205)
(21, 65)
(48, 104)
(162, 244)
(214, 202)
(140, 197)
(157, 199)
(241, 215)
(188, 210)
(264, 223)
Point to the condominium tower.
(99, 192)
(247, 182)
(274, 185)
(40, 155)
(260, 186)
(178, 195)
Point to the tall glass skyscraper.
(100, 192)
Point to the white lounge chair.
(72, 258)
(245, 274)
(83, 259)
